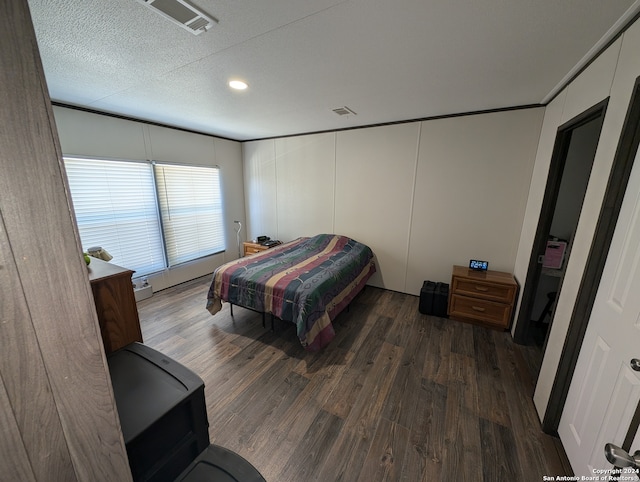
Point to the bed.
(308, 281)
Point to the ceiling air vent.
(181, 13)
(344, 111)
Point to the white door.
(605, 390)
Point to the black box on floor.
(441, 300)
(434, 298)
(426, 297)
(162, 412)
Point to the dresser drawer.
(476, 309)
(482, 289)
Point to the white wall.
(424, 195)
(613, 74)
(375, 179)
(305, 208)
(260, 189)
(93, 135)
(471, 191)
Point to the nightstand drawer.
(482, 289)
(480, 310)
(252, 250)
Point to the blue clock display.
(478, 265)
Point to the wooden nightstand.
(482, 297)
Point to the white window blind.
(190, 201)
(115, 206)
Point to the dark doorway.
(571, 162)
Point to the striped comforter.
(307, 281)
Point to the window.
(146, 226)
(191, 207)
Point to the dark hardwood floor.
(396, 396)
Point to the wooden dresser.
(482, 297)
(115, 304)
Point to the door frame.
(607, 219)
(552, 189)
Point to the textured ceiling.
(387, 60)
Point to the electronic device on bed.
(478, 265)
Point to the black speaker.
(426, 297)
(441, 300)
(434, 299)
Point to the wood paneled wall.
(58, 419)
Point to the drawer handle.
(479, 308)
(482, 288)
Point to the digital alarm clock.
(478, 265)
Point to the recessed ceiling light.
(238, 84)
